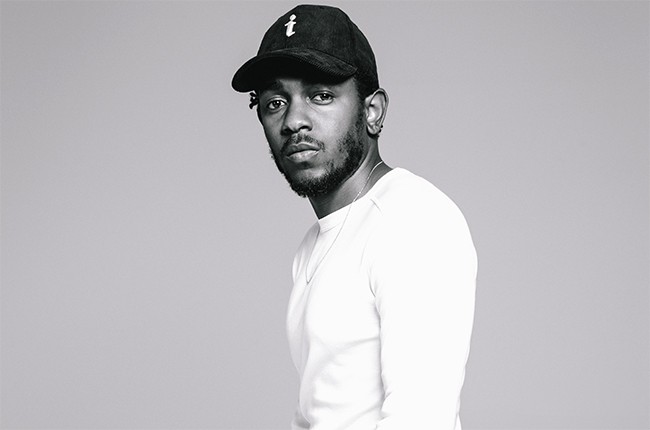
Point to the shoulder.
(403, 197)
(421, 233)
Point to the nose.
(296, 118)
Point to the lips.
(297, 148)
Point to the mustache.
(298, 138)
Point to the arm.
(424, 278)
(298, 422)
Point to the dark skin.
(328, 113)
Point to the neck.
(353, 188)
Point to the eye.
(323, 98)
(275, 104)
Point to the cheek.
(272, 135)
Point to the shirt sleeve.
(423, 277)
(298, 422)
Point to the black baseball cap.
(322, 38)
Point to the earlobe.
(376, 106)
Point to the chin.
(303, 172)
(315, 185)
(305, 184)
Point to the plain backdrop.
(147, 237)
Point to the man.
(381, 311)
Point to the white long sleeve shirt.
(380, 333)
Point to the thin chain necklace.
(307, 277)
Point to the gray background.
(147, 237)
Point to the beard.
(350, 149)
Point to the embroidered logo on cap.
(290, 25)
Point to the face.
(316, 132)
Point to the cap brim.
(260, 68)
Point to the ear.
(376, 105)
